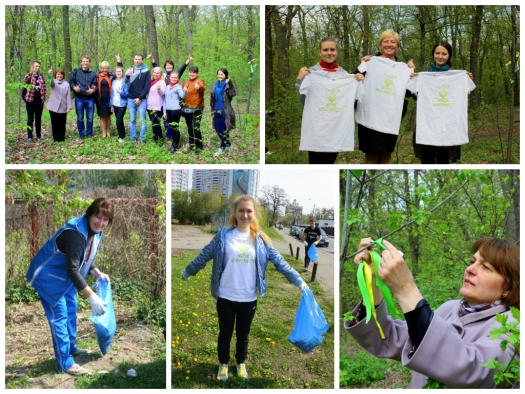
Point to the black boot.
(172, 148)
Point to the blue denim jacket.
(264, 253)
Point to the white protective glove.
(97, 305)
(305, 243)
(303, 286)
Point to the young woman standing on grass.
(240, 254)
(222, 112)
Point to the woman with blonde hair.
(240, 252)
(157, 88)
(384, 105)
(104, 97)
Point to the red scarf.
(329, 67)
(173, 84)
(108, 80)
(153, 82)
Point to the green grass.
(272, 362)
(360, 369)
(98, 150)
(272, 233)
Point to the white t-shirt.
(442, 107)
(117, 83)
(328, 114)
(238, 280)
(385, 87)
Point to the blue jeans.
(132, 108)
(62, 320)
(89, 106)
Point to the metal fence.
(133, 247)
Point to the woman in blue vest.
(58, 272)
(240, 254)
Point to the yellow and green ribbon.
(364, 281)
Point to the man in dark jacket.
(139, 79)
(84, 82)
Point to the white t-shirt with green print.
(238, 280)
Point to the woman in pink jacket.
(155, 102)
(449, 344)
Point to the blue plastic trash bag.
(105, 325)
(312, 252)
(310, 323)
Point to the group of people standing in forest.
(158, 93)
(378, 89)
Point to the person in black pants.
(193, 107)
(35, 99)
(311, 235)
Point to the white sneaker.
(241, 371)
(120, 140)
(76, 369)
(229, 148)
(219, 152)
(222, 373)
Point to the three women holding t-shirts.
(381, 103)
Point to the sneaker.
(142, 141)
(80, 352)
(241, 371)
(120, 140)
(77, 370)
(42, 138)
(172, 149)
(219, 152)
(133, 139)
(229, 148)
(30, 140)
(222, 373)
(197, 152)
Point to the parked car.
(299, 231)
(280, 227)
(325, 241)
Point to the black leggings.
(119, 114)
(34, 114)
(58, 125)
(155, 117)
(241, 315)
(173, 116)
(431, 154)
(193, 121)
(322, 157)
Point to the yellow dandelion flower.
(172, 345)
(198, 325)
(195, 359)
(312, 367)
(188, 371)
(187, 378)
(273, 342)
(194, 314)
(185, 340)
(268, 339)
(177, 338)
(307, 385)
(316, 360)
(198, 305)
(208, 360)
(196, 333)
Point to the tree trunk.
(252, 38)
(189, 17)
(67, 41)
(346, 38)
(50, 20)
(217, 32)
(366, 31)
(268, 56)
(512, 190)
(151, 31)
(412, 239)
(475, 95)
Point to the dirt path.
(29, 350)
(192, 238)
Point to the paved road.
(192, 238)
(325, 267)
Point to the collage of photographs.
(208, 197)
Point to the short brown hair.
(60, 71)
(101, 205)
(85, 57)
(504, 256)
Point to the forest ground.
(487, 135)
(30, 361)
(98, 150)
